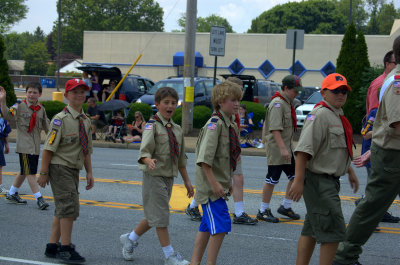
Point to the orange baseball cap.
(334, 81)
(74, 83)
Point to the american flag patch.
(57, 122)
(277, 105)
(148, 126)
(396, 84)
(310, 117)
(212, 126)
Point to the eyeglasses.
(338, 90)
(137, 116)
(392, 62)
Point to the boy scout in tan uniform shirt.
(213, 149)
(384, 183)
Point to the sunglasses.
(337, 91)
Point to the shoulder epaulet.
(61, 115)
(150, 121)
(214, 120)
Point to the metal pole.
(215, 71)
(188, 68)
(294, 50)
(351, 11)
(58, 45)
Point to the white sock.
(238, 208)
(287, 203)
(193, 204)
(133, 236)
(264, 206)
(168, 251)
(13, 190)
(37, 195)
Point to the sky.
(239, 13)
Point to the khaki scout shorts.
(64, 184)
(156, 193)
(324, 219)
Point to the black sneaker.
(68, 255)
(15, 199)
(52, 250)
(289, 213)
(388, 218)
(41, 203)
(356, 202)
(244, 219)
(193, 213)
(267, 216)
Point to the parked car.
(306, 93)
(307, 107)
(202, 91)
(133, 87)
(259, 90)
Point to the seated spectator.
(96, 85)
(97, 116)
(137, 129)
(108, 90)
(86, 79)
(117, 122)
(245, 121)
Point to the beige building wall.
(157, 48)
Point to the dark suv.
(132, 88)
(202, 91)
(259, 90)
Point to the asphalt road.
(113, 207)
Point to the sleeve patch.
(277, 105)
(310, 117)
(212, 126)
(57, 122)
(148, 126)
(396, 84)
(397, 91)
(52, 136)
(214, 120)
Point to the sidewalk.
(190, 143)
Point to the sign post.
(217, 45)
(294, 40)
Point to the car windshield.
(314, 99)
(176, 84)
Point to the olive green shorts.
(156, 193)
(324, 219)
(64, 184)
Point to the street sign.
(217, 41)
(290, 39)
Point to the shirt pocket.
(69, 139)
(24, 120)
(287, 120)
(337, 138)
(162, 144)
(39, 123)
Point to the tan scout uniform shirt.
(27, 142)
(63, 139)
(384, 134)
(323, 138)
(155, 145)
(213, 149)
(278, 118)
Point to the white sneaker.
(3, 189)
(176, 259)
(127, 246)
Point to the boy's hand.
(217, 189)
(43, 180)
(285, 154)
(362, 160)
(7, 149)
(353, 180)
(151, 163)
(189, 188)
(90, 181)
(3, 94)
(296, 190)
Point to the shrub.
(201, 114)
(258, 112)
(145, 109)
(53, 107)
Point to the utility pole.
(188, 68)
(58, 46)
(351, 11)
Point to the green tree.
(359, 14)
(36, 58)
(5, 80)
(16, 43)
(316, 16)
(51, 70)
(11, 12)
(105, 15)
(205, 24)
(386, 16)
(38, 35)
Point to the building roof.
(16, 65)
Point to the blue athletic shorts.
(216, 217)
